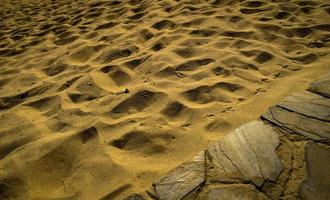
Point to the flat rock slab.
(305, 113)
(317, 183)
(321, 86)
(293, 122)
(308, 104)
(182, 180)
(233, 191)
(248, 154)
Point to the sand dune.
(100, 98)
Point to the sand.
(100, 98)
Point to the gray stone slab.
(233, 191)
(182, 180)
(309, 104)
(317, 183)
(296, 123)
(321, 86)
(248, 154)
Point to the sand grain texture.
(100, 98)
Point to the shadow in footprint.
(163, 24)
(194, 64)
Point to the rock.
(246, 155)
(182, 180)
(321, 86)
(233, 191)
(317, 183)
(300, 124)
(308, 104)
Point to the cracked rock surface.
(283, 155)
(182, 179)
(240, 158)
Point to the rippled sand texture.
(99, 98)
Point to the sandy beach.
(100, 98)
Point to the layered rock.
(182, 179)
(240, 158)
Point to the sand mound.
(99, 98)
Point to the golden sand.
(100, 98)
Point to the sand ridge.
(98, 98)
